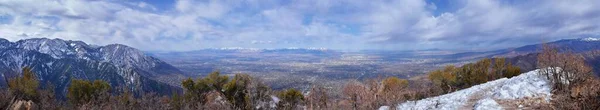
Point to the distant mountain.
(291, 50)
(571, 45)
(58, 61)
(526, 56)
(221, 51)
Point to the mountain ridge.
(577, 45)
(57, 61)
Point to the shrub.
(574, 86)
(511, 71)
(237, 93)
(176, 102)
(25, 88)
(215, 81)
(259, 94)
(392, 84)
(242, 92)
(289, 99)
(48, 99)
(83, 91)
(465, 76)
(317, 98)
(480, 71)
(498, 68)
(444, 79)
(563, 70)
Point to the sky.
(185, 25)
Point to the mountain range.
(566, 45)
(57, 61)
(526, 56)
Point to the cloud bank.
(338, 24)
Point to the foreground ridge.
(518, 92)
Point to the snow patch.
(484, 96)
(527, 85)
(384, 108)
(274, 102)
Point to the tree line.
(215, 91)
(452, 78)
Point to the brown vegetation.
(317, 99)
(453, 78)
(212, 92)
(574, 86)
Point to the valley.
(301, 68)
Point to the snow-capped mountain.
(507, 93)
(239, 50)
(58, 61)
(259, 49)
(590, 39)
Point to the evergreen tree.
(290, 99)
(237, 93)
(25, 88)
(83, 91)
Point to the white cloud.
(380, 24)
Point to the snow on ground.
(487, 104)
(487, 96)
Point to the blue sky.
(182, 25)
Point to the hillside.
(526, 56)
(527, 90)
(57, 61)
(565, 45)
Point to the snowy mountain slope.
(513, 93)
(58, 61)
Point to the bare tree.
(573, 83)
(392, 91)
(48, 99)
(260, 93)
(562, 69)
(361, 96)
(317, 99)
(353, 92)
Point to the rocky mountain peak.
(57, 61)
